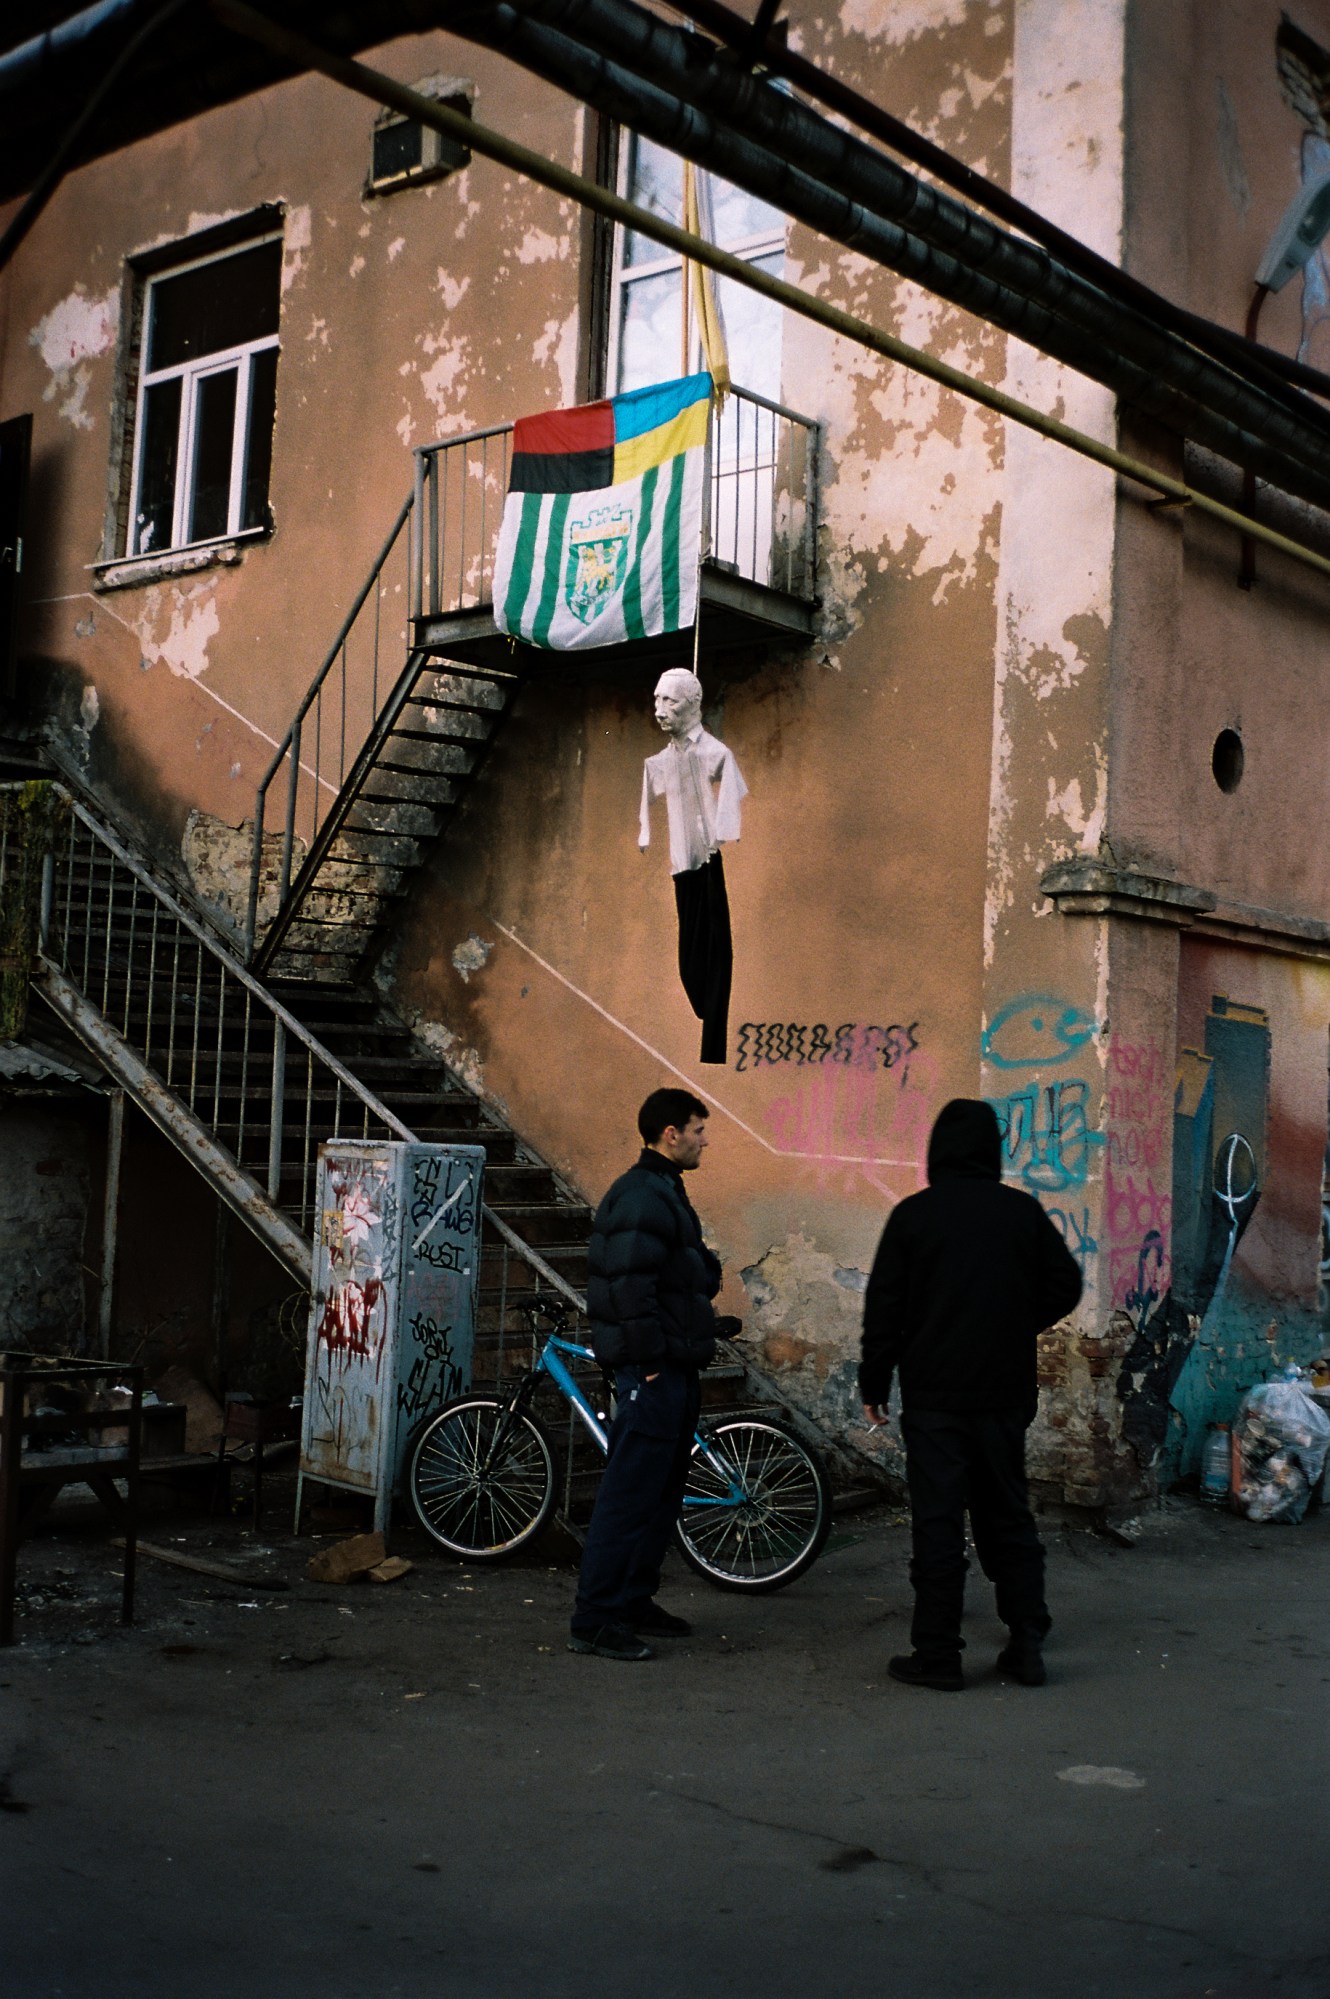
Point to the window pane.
(157, 469)
(738, 216)
(217, 305)
(649, 331)
(258, 452)
(214, 433)
(397, 148)
(655, 182)
(752, 331)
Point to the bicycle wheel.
(481, 1478)
(774, 1529)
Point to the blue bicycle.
(482, 1477)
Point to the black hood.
(966, 1142)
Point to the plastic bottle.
(1216, 1465)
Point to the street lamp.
(1302, 227)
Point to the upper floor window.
(646, 332)
(206, 399)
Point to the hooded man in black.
(967, 1274)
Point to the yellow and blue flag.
(603, 520)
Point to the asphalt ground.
(415, 1789)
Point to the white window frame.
(622, 274)
(191, 373)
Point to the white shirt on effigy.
(683, 774)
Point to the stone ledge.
(1090, 887)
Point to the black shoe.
(610, 1641)
(1022, 1660)
(943, 1676)
(660, 1623)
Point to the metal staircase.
(247, 1079)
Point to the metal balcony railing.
(759, 515)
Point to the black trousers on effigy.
(706, 952)
(970, 1463)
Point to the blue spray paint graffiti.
(1075, 1231)
(1037, 1031)
(1046, 1137)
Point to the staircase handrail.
(295, 1029)
(290, 742)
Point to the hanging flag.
(697, 217)
(603, 520)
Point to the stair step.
(436, 756)
(347, 1003)
(481, 690)
(358, 908)
(569, 1260)
(310, 968)
(538, 1223)
(420, 789)
(361, 877)
(427, 722)
(392, 815)
(359, 846)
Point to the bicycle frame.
(550, 1363)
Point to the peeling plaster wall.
(435, 310)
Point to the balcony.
(758, 572)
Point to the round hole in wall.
(1227, 759)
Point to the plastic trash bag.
(1283, 1437)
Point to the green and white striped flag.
(603, 520)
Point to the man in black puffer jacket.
(651, 1280)
(967, 1274)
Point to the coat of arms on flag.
(602, 523)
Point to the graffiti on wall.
(1036, 1031)
(861, 1101)
(764, 1043)
(1138, 1207)
(1047, 1143)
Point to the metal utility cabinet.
(393, 1313)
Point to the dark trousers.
(651, 1440)
(971, 1463)
(706, 952)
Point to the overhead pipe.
(732, 122)
(754, 44)
(385, 91)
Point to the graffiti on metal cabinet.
(357, 1228)
(1036, 1031)
(443, 1205)
(436, 1374)
(763, 1043)
(351, 1324)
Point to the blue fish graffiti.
(1037, 1031)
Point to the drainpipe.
(882, 211)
